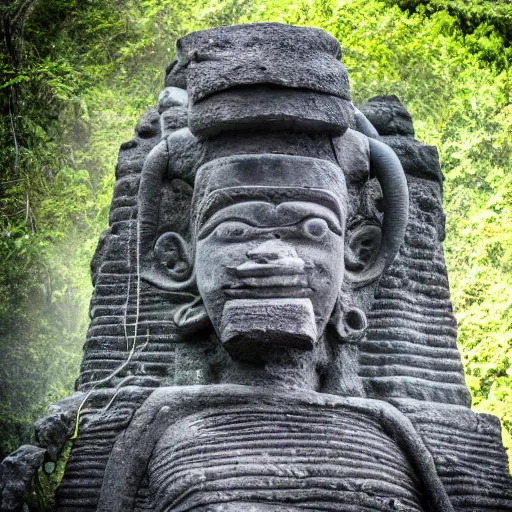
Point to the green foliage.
(45, 484)
(486, 25)
(77, 76)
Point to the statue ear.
(169, 265)
(172, 269)
(361, 252)
(172, 254)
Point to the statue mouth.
(282, 278)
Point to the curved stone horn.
(364, 126)
(386, 167)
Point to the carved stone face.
(266, 259)
(269, 273)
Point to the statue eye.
(315, 228)
(234, 232)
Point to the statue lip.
(273, 280)
(275, 268)
(284, 277)
(268, 292)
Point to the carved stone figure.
(271, 324)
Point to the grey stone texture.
(261, 53)
(269, 107)
(271, 325)
(16, 474)
(388, 116)
(273, 87)
(53, 430)
(279, 449)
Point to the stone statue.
(271, 325)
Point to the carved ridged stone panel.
(411, 348)
(118, 296)
(466, 447)
(231, 447)
(108, 414)
(114, 308)
(307, 459)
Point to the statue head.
(280, 245)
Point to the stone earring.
(355, 324)
(350, 323)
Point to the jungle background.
(77, 74)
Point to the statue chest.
(289, 458)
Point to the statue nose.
(271, 251)
(272, 259)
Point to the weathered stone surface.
(411, 350)
(289, 79)
(466, 448)
(267, 320)
(288, 450)
(271, 324)
(106, 415)
(260, 53)
(273, 108)
(53, 431)
(388, 116)
(16, 474)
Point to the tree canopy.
(77, 74)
